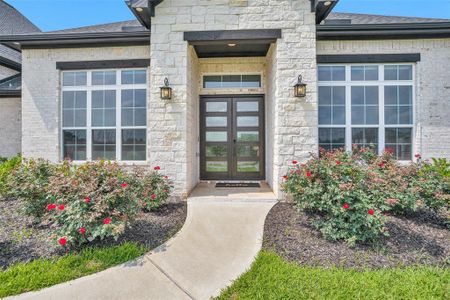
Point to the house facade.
(231, 66)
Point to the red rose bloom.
(166, 177)
(153, 196)
(418, 156)
(389, 150)
(87, 200)
(157, 168)
(381, 165)
(82, 230)
(346, 206)
(294, 162)
(62, 241)
(371, 212)
(338, 162)
(51, 207)
(61, 207)
(308, 174)
(124, 185)
(285, 177)
(106, 221)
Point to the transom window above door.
(231, 81)
(367, 105)
(104, 115)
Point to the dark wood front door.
(232, 137)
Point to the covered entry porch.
(231, 83)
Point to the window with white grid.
(104, 115)
(370, 105)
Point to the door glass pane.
(216, 151)
(216, 122)
(248, 136)
(216, 166)
(248, 121)
(247, 106)
(216, 136)
(216, 106)
(248, 166)
(247, 151)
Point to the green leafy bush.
(86, 202)
(436, 173)
(350, 193)
(6, 167)
(99, 199)
(29, 182)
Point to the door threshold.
(238, 184)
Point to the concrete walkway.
(218, 242)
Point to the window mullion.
(348, 110)
(118, 123)
(89, 119)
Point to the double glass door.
(232, 138)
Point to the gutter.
(384, 31)
(78, 40)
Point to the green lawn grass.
(41, 273)
(271, 277)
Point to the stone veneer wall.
(193, 115)
(10, 126)
(270, 111)
(295, 120)
(432, 103)
(41, 94)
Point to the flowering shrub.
(350, 193)
(29, 182)
(6, 167)
(94, 200)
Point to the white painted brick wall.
(10, 126)
(40, 93)
(432, 138)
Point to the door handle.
(234, 141)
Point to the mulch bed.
(421, 238)
(23, 241)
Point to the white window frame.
(380, 83)
(118, 87)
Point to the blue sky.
(60, 14)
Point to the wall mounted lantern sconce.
(300, 88)
(166, 90)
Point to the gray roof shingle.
(122, 26)
(379, 19)
(13, 22)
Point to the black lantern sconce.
(166, 90)
(300, 88)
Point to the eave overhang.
(10, 93)
(232, 43)
(78, 40)
(322, 8)
(384, 31)
(143, 10)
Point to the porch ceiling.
(232, 43)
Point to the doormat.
(238, 184)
